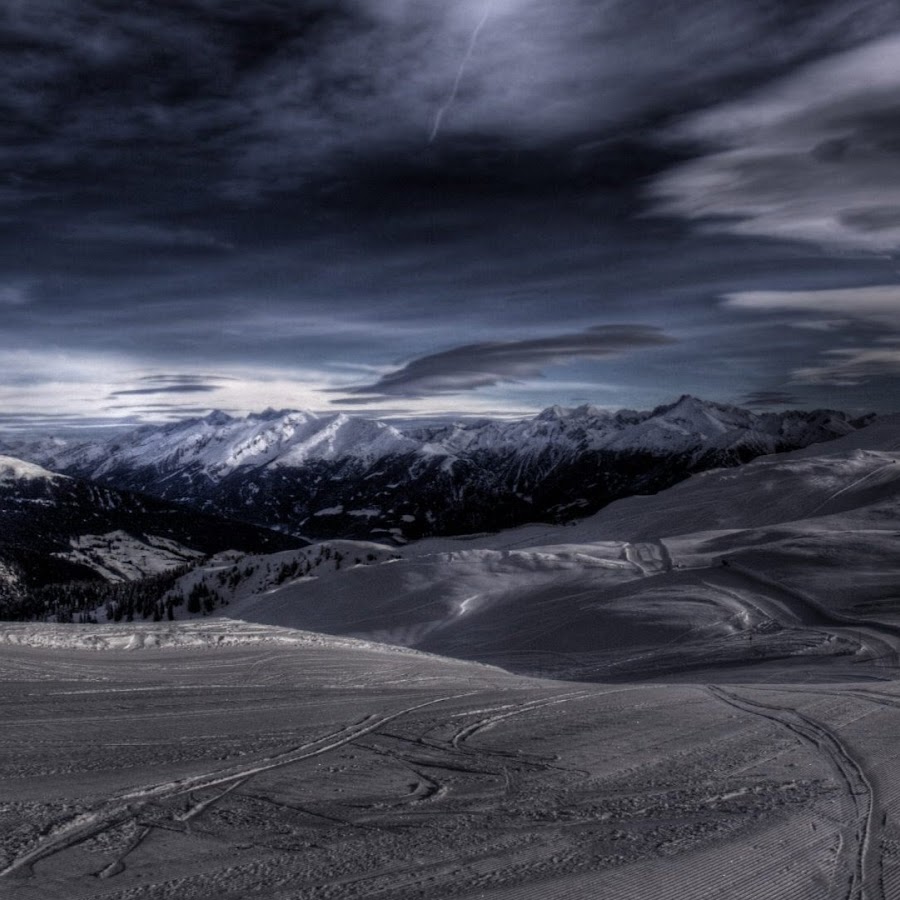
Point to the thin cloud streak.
(169, 389)
(770, 398)
(474, 366)
(876, 304)
(811, 157)
(851, 366)
(870, 314)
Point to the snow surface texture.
(217, 633)
(291, 771)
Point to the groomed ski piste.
(689, 695)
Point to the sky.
(416, 208)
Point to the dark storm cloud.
(22, 425)
(238, 100)
(179, 408)
(183, 378)
(13, 295)
(142, 235)
(480, 365)
(7, 418)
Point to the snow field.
(337, 771)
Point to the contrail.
(459, 74)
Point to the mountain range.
(328, 476)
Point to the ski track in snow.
(849, 487)
(863, 833)
(128, 806)
(521, 788)
(469, 731)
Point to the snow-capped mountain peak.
(345, 436)
(217, 417)
(339, 475)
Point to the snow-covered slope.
(847, 474)
(280, 757)
(688, 426)
(790, 561)
(339, 476)
(13, 470)
(217, 445)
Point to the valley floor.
(231, 761)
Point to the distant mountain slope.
(339, 476)
(791, 563)
(858, 471)
(57, 528)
